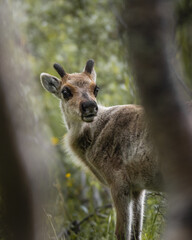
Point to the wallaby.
(113, 142)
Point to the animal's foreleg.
(122, 202)
(138, 208)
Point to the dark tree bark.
(147, 25)
(24, 147)
(16, 190)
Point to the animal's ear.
(50, 83)
(89, 69)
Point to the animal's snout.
(89, 110)
(89, 107)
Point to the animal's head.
(77, 91)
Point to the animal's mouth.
(88, 118)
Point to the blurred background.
(70, 33)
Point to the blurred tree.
(149, 25)
(24, 147)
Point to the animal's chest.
(80, 147)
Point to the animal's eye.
(96, 90)
(67, 93)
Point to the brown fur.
(116, 147)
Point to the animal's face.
(77, 91)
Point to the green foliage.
(154, 216)
(72, 32)
(72, 208)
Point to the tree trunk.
(147, 25)
(23, 145)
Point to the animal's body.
(113, 142)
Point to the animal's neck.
(74, 125)
(77, 128)
(71, 123)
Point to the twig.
(50, 221)
(75, 225)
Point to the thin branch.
(75, 225)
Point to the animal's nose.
(89, 108)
